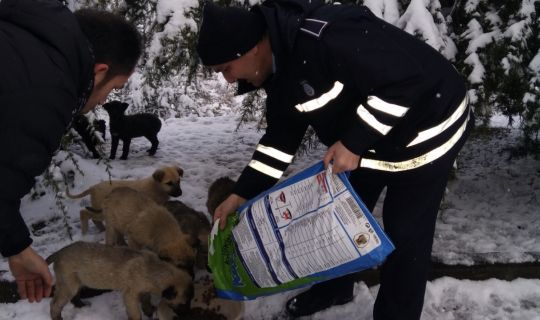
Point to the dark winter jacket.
(388, 97)
(46, 75)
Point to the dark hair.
(114, 40)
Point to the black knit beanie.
(227, 33)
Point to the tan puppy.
(146, 224)
(164, 183)
(218, 191)
(118, 268)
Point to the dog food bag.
(306, 229)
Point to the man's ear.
(100, 72)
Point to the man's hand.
(226, 208)
(344, 160)
(34, 280)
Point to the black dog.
(88, 132)
(125, 127)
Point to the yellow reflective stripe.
(322, 100)
(368, 118)
(418, 161)
(275, 153)
(431, 132)
(386, 107)
(266, 169)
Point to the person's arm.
(272, 155)
(32, 127)
(14, 235)
(275, 150)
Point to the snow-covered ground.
(491, 212)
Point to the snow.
(535, 63)
(170, 13)
(477, 74)
(490, 214)
(418, 20)
(518, 31)
(477, 37)
(385, 9)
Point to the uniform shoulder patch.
(313, 27)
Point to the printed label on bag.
(306, 229)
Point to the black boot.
(321, 296)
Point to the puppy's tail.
(77, 196)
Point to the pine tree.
(425, 20)
(496, 48)
(474, 33)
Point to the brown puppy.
(132, 214)
(164, 183)
(194, 223)
(117, 268)
(218, 191)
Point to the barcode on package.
(355, 207)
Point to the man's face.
(102, 88)
(250, 67)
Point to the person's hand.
(227, 207)
(34, 280)
(343, 159)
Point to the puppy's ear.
(158, 175)
(169, 293)
(180, 171)
(124, 106)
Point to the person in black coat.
(55, 64)
(392, 110)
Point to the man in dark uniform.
(54, 65)
(390, 108)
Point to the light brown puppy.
(132, 214)
(132, 272)
(164, 183)
(218, 191)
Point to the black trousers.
(410, 211)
